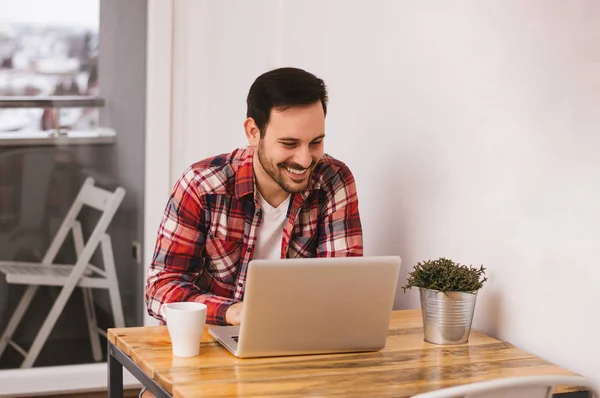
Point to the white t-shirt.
(270, 232)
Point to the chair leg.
(16, 317)
(90, 312)
(51, 318)
(111, 275)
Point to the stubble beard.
(276, 172)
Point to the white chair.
(81, 274)
(513, 387)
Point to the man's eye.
(289, 144)
(316, 143)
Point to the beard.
(279, 174)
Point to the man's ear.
(252, 132)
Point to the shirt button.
(240, 284)
(249, 250)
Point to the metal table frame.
(116, 361)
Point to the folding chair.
(81, 274)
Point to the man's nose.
(303, 157)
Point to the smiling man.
(281, 197)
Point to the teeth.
(294, 171)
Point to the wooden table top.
(406, 366)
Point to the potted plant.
(448, 292)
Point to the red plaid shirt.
(210, 224)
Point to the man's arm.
(178, 258)
(340, 229)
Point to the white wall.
(220, 48)
(471, 128)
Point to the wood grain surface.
(406, 366)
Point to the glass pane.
(53, 51)
(37, 189)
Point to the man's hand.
(233, 316)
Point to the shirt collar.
(244, 175)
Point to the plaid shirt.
(210, 225)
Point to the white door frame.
(159, 103)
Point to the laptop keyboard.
(235, 338)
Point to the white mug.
(185, 321)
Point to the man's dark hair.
(282, 89)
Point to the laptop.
(314, 306)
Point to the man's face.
(292, 146)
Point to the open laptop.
(314, 306)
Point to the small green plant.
(447, 276)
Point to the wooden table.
(406, 366)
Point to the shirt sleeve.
(178, 256)
(340, 229)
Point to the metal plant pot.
(447, 317)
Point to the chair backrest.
(89, 195)
(514, 387)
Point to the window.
(50, 52)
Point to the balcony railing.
(57, 134)
(52, 102)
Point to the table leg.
(117, 360)
(115, 376)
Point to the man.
(281, 197)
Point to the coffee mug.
(185, 322)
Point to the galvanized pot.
(447, 317)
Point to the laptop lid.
(317, 305)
